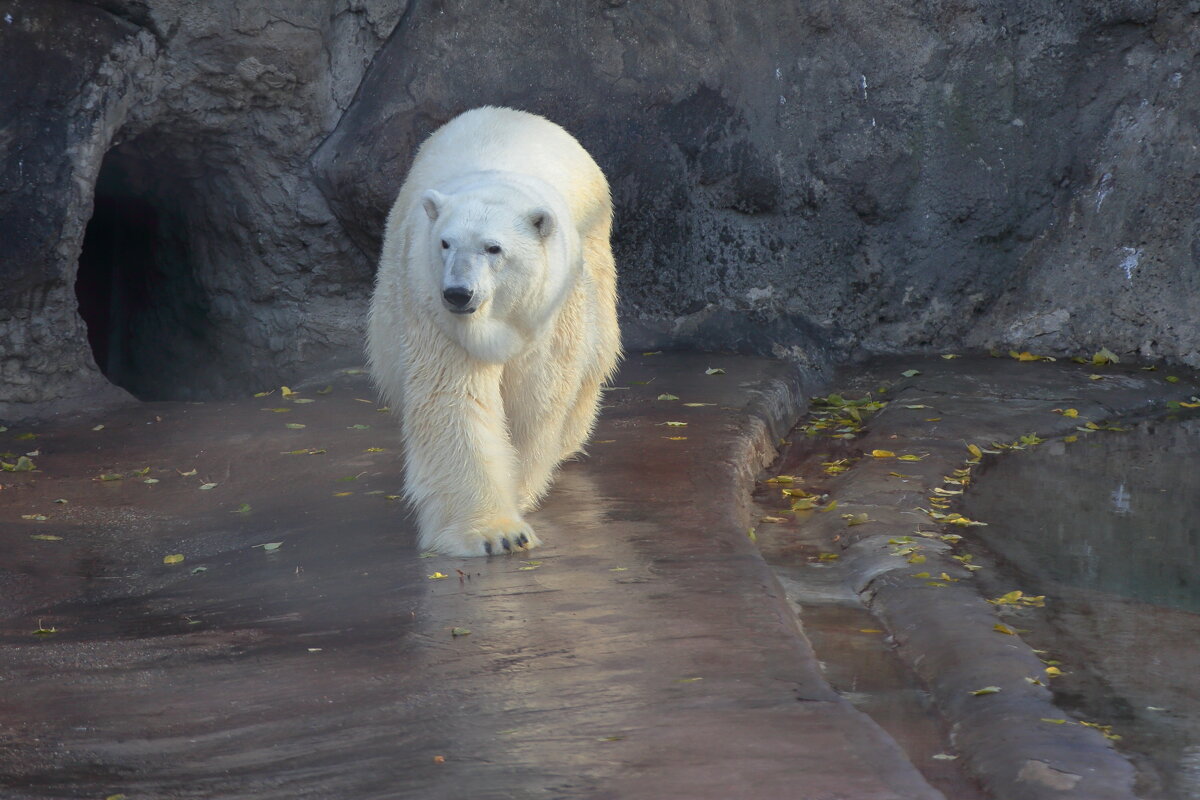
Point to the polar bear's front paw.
(505, 535)
(496, 536)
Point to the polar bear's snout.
(457, 299)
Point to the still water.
(1108, 528)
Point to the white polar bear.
(494, 322)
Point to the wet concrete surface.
(917, 576)
(647, 651)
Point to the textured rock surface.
(813, 184)
(190, 140)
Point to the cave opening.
(147, 316)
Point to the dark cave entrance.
(147, 316)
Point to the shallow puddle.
(1108, 528)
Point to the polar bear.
(494, 322)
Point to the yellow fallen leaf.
(173, 559)
(437, 576)
(1053, 672)
(986, 690)
(869, 630)
(1054, 721)
(856, 519)
(882, 454)
(675, 438)
(773, 519)
(286, 391)
(974, 450)
(830, 507)
(782, 479)
(1002, 628)
(714, 371)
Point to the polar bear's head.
(501, 261)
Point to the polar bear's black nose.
(457, 296)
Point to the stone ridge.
(896, 550)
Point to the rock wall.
(212, 263)
(813, 182)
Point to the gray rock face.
(808, 182)
(182, 133)
(851, 175)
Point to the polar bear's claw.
(507, 536)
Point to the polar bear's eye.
(445, 245)
(493, 249)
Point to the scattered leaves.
(1028, 356)
(1019, 598)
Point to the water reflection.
(1118, 513)
(1109, 529)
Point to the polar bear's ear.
(542, 221)
(432, 200)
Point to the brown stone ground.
(646, 651)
